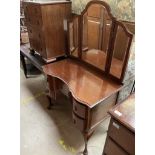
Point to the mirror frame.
(129, 34)
(115, 24)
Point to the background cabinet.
(45, 24)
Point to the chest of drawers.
(45, 24)
(121, 133)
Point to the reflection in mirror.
(96, 30)
(119, 52)
(73, 36)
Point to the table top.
(86, 87)
(125, 113)
(35, 59)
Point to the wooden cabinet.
(45, 23)
(121, 133)
(122, 136)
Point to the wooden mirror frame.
(115, 24)
(129, 34)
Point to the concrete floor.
(51, 132)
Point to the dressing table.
(95, 66)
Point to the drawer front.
(32, 14)
(79, 123)
(36, 40)
(111, 148)
(36, 21)
(122, 136)
(79, 109)
(32, 9)
(99, 112)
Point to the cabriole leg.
(85, 152)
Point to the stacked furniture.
(45, 24)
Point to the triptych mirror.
(97, 38)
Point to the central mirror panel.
(96, 28)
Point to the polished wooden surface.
(127, 112)
(86, 87)
(45, 23)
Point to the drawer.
(33, 14)
(36, 40)
(121, 135)
(36, 21)
(79, 109)
(99, 112)
(111, 148)
(32, 9)
(79, 123)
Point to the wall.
(121, 9)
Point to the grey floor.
(51, 132)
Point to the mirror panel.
(96, 28)
(73, 38)
(119, 52)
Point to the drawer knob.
(74, 121)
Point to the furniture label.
(115, 125)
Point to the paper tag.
(117, 113)
(115, 125)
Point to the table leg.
(52, 91)
(85, 135)
(24, 65)
(49, 107)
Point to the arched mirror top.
(95, 3)
(96, 27)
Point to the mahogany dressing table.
(95, 67)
